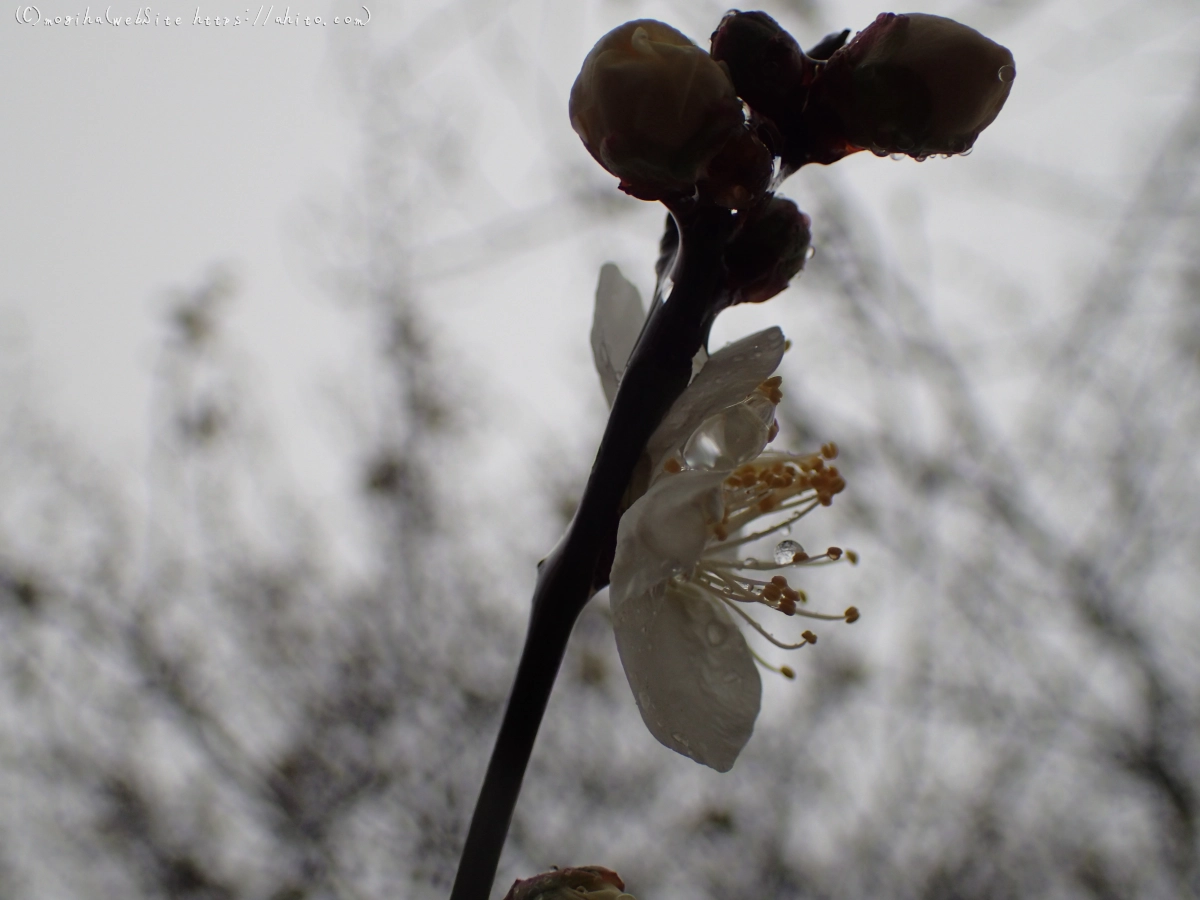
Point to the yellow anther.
(672, 465)
(809, 636)
(779, 581)
(787, 672)
(830, 450)
(834, 552)
(853, 557)
(851, 614)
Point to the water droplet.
(810, 252)
(785, 551)
(896, 157)
(1006, 74)
(716, 633)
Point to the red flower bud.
(913, 84)
(768, 68)
(769, 248)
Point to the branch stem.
(659, 369)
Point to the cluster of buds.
(677, 124)
(668, 119)
(915, 84)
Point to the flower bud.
(914, 84)
(769, 248)
(769, 70)
(653, 108)
(584, 883)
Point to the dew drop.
(785, 551)
(810, 252)
(716, 633)
(1006, 74)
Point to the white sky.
(134, 158)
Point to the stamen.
(786, 671)
(824, 617)
(851, 615)
(770, 637)
(672, 466)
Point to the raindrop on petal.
(1006, 74)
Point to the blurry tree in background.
(197, 702)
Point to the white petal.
(735, 435)
(692, 674)
(727, 377)
(616, 323)
(665, 532)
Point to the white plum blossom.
(680, 583)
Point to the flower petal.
(616, 324)
(728, 376)
(735, 435)
(665, 532)
(691, 671)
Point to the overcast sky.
(134, 158)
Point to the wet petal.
(728, 376)
(616, 324)
(665, 532)
(691, 671)
(734, 436)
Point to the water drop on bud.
(914, 84)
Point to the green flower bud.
(653, 109)
(915, 84)
(584, 883)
